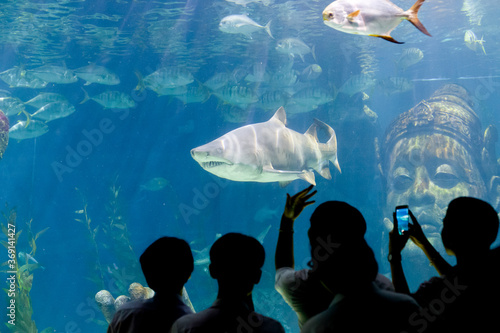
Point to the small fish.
(11, 106)
(472, 42)
(54, 74)
(313, 96)
(194, 94)
(97, 74)
(219, 80)
(311, 72)
(357, 83)
(19, 78)
(293, 47)
(395, 84)
(28, 129)
(242, 24)
(273, 99)
(375, 18)
(111, 100)
(154, 184)
(165, 79)
(45, 98)
(237, 95)
(27, 259)
(54, 110)
(409, 57)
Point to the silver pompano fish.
(97, 74)
(269, 152)
(54, 110)
(242, 24)
(375, 18)
(23, 130)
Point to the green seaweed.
(24, 275)
(96, 271)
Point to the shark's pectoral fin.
(308, 176)
(324, 170)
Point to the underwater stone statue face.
(427, 172)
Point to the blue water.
(153, 139)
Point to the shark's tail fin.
(328, 149)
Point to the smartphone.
(402, 219)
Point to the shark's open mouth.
(213, 164)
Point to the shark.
(270, 152)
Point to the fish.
(28, 259)
(166, 78)
(472, 42)
(111, 99)
(311, 72)
(28, 129)
(293, 47)
(242, 24)
(409, 57)
(375, 18)
(154, 184)
(237, 95)
(54, 110)
(357, 83)
(17, 77)
(11, 106)
(313, 96)
(270, 152)
(97, 74)
(219, 80)
(45, 98)
(395, 84)
(194, 94)
(54, 74)
(272, 99)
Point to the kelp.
(115, 264)
(24, 322)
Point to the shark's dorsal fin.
(280, 115)
(312, 131)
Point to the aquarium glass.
(105, 100)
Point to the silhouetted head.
(341, 221)
(167, 264)
(237, 259)
(470, 226)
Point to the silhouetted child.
(167, 264)
(466, 296)
(235, 262)
(332, 223)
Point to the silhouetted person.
(235, 262)
(332, 223)
(466, 295)
(348, 274)
(167, 264)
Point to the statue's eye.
(446, 176)
(401, 179)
